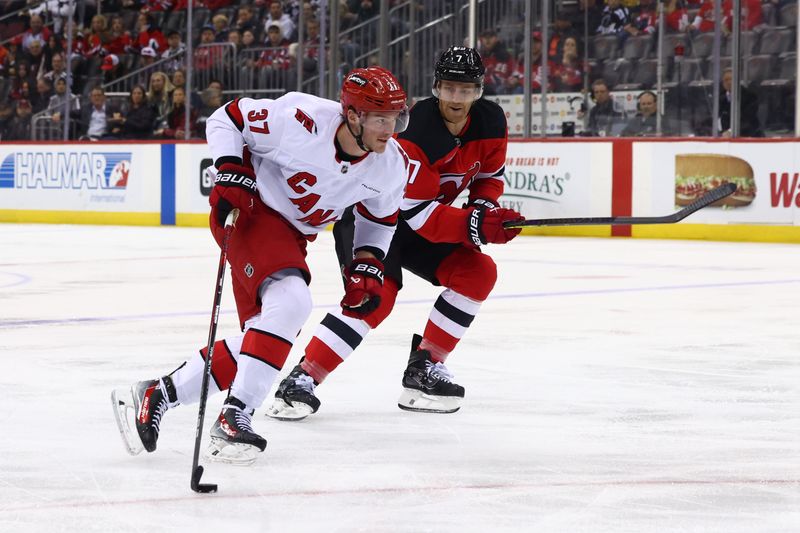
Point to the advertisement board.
(50, 181)
(669, 175)
(552, 180)
(192, 184)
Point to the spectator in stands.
(63, 102)
(111, 67)
(176, 120)
(19, 127)
(498, 62)
(644, 22)
(149, 35)
(95, 119)
(23, 90)
(206, 56)
(645, 121)
(245, 21)
(34, 57)
(175, 52)
(562, 29)
(220, 24)
(99, 37)
(59, 11)
(59, 70)
(212, 100)
(156, 5)
(120, 40)
(311, 45)
(139, 119)
(752, 14)
(179, 80)
(35, 32)
(159, 95)
(704, 21)
(41, 99)
(347, 19)
(749, 124)
(55, 45)
(516, 80)
(20, 78)
(248, 40)
(604, 119)
(7, 112)
(614, 19)
(676, 17)
(567, 73)
(235, 38)
(276, 55)
(276, 15)
(365, 9)
(587, 19)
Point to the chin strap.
(358, 138)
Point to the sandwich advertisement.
(671, 175)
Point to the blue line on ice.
(7, 324)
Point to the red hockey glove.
(486, 226)
(234, 187)
(362, 290)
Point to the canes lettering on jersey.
(291, 146)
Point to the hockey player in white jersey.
(291, 166)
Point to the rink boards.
(152, 183)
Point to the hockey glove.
(362, 290)
(234, 187)
(486, 226)
(480, 202)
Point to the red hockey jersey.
(442, 165)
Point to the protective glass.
(386, 121)
(457, 92)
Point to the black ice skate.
(294, 399)
(233, 440)
(427, 386)
(138, 412)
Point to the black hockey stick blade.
(202, 488)
(704, 201)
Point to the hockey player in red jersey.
(290, 166)
(455, 141)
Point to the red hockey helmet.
(374, 89)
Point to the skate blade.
(222, 451)
(280, 410)
(414, 400)
(125, 415)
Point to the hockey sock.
(188, 378)
(448, 322)
(336, 337)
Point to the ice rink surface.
(612, 385)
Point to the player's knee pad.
(388, 297)
(285, 304)
(469, 273)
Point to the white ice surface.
(612, 385)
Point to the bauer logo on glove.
(235, 179)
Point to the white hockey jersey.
(290, 142)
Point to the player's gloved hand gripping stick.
(363, 283)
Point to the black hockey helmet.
(459, 63)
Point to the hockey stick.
(197, 470)
(704, 201)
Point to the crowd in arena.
(128, 35)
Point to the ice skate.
(427, 386)
(294, 399)
(233, 440)
(138, 412)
